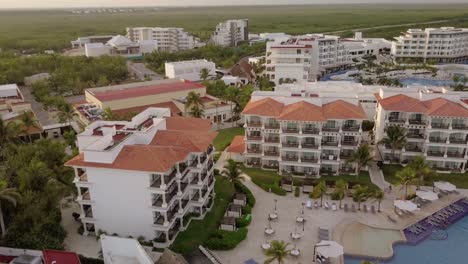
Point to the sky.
(116, 3)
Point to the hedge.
(275, 188)
(225, 240)
(243, 221)
(242, 188)
(297, 191)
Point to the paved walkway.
(377, 176)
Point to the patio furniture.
(295, 252)
(295, 235)
(273, 216)
(300, 219)
(334, 208)
(269, 231)
(326, 206)
(266, 246)
(316, 204)
(309, 204)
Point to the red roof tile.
(401, 102)
(139, 91)
(340, 109)
(443, 107)
(188, 123)
(237, 145)
(302, 111)
(264, 107)
(196, 141)
(60, 257)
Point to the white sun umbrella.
(427, 195)
(329, 249)
(405, 205)
(445, 186)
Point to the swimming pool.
(425, 82)
(451, 250)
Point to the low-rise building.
(189, 70)
(120, 46)
(12, 101)
(82, 41)
(231, 32)
(117, 250)
(168, 39)
(442, 45)
(152, 171)
(435, 121)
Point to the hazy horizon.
(41, 4)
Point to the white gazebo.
(405, 205)
(329, 249)
(445, 186)
(427, 195)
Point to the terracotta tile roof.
(443, 107)
(340, 109)
(196, 141)
(60, 257)
(188, 123)
(237, 145)
(130, 92)
(243, 69)
(264, 107)
(401, 102)
(138, 109)
(302, 111)
(150, 158)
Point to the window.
(224, 116)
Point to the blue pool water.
(426, 82)
(450, 251)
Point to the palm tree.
(231, 95)
(204, 74)
(421, 168)
(8, 131)
(193, 99)
(66, 113)
(396, 138)
(361, 157)
(231, 171)
(406, 177)
(109, 115)
(378, 195)
(278, 251)
(340, 189)
(9, 195)
(197, 112)
(361, 193)
(28, 121)
(319, 191)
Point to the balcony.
(184, 203)
(309, 146)
(346, 156)
(254, 150)
(254, 124)
(455, 155)
(457, 141)
(209, 150)
(202, 159)
(435, 154)
(254, 138)
(272, 126)
(415, 136)
(89, 213)
(290, 158)
(253, 163)
(311, 131)
(417, 122)
(157, 183)
(182, 167)
(309, 160)
(437, 140)
(396, 120)
(210, 165)
(271, 153)
(351, 128)
(271, 166)
(329, 157)
(331, 129)
(86, 196)
(83, 178)
(183, 186)
(413, 149)
(330, 143)
(349, 143)
(291, 145)
(459, 126)
(272, 140)
(158, 220)
(291, 130)
(440, 125)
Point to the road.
(388, 26)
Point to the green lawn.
(199, 230)
(459, 179)
(225, 136)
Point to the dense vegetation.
(54, 29)
(36, 173)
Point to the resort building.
(144, 177)
(231, 32)
(12, 101)
(117, 250)
(359, 47)
(189, 70)
(168, 39)
(82, 41)
(305, 58)
(120, 46)
(302, 133)
(435, 121)
(442, 45)
(135, 97)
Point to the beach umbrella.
(405, 205)
(329, 249)
(445, 186)
(427, 195)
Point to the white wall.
(114, 247)
(189, 70)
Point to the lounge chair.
(365, 208)
(309, 204)
(353, 208)
(326, 206)
(316, 205)
(372, 209)
(334, 208)
(391, 219)
(345, 207)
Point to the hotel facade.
(142, 178)
(231, 32)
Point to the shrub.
(225, 240)
(274, 188)
(367, 125)
(80, 230)
(247, 209)
(243, 221)
(242, 188)
(297, 191)
(216, 172)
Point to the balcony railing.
(290, 130)
(254, 124)
(271, 153)
(437, 140)
(268, 166)
(254, 150)
(290, 158)
(330, 143)
(311, 131)
(417, 122)
(416, 136)
(350, 128)
(349, 143)
(329, 157)
(346, 156)
(440, 125)
(309, 159)
(435, 153)
(460, 126)
(256, 138)
(457, 141)
(309, 145)
(291, 144)
(272, 126)
(182, 167)
(254, 163)
(455, 155)
(272, 140)
(209, 150)
(396, 120)
(331, 129)
(413, 149)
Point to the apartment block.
(435, 121)
(189, 70)
(144, 177)
(231, 32)
(302, 134)
(442, 45)
(305, 58)
(168, 39)
(120, 46)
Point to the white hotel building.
(305, 58)
(436, 123)
(168, 39)
(445, 45)
(189, 70)
(231, 32)
(142, 177)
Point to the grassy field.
(225, 136)
(56, 28)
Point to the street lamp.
(302, 208)
(275, 204)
